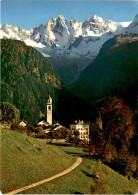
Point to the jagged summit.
(70, 38)
(96, 18)
(60, 32)
(78, 42)
(61, 17)
(133, 27)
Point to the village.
(46, 128)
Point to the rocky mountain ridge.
(70, 46)
(67, 38)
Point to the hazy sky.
(30, 13)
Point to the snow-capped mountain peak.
(61, 18)
(96, 19)
(133, 26)
(59, 38)
(69, 38)
(59, 32)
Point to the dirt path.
(78, 161)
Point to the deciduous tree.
(118, 125)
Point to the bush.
(110, 153)
(100, 188)
(82, 144)
(9, 113)
(90, 149)
(127, 163)
(31, 128)
(40, 132)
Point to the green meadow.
(26, 160)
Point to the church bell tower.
(49, 110)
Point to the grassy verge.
(25, 160)
(81, 180)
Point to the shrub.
(31, 128)
(40, 132)
(9, 113)
(110, 153)
(90, 149)
(83, 143)
(127, 163)
(100, 188)
(98, 171)
(32, 134)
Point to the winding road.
(78, 161)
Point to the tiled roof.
(43, 122)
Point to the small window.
(49, 107)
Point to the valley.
(68, 111)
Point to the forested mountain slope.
(113, 72)
(28, 79)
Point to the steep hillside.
(113, 72)
(26, 160)
(28, 79)
(82, 181)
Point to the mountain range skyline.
(28, 14)
(70, 45)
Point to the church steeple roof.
(49, 98)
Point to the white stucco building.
(22, 124)
(83, 128)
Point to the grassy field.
(25, 160)
(81, 179)
(38, 165)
